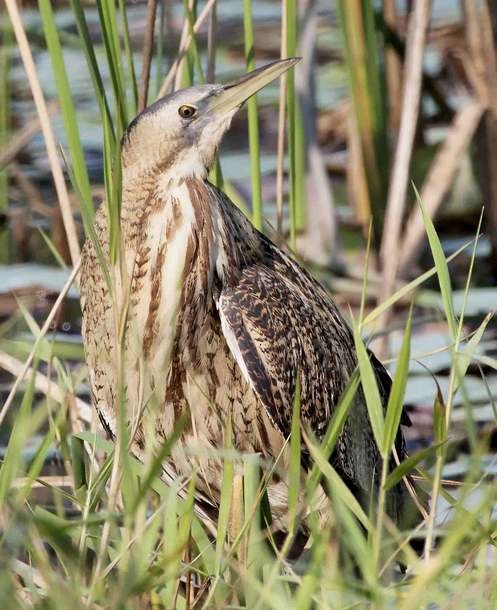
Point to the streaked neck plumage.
(170, 196)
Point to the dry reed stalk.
(393, 67)
(211, 46)
(475, 50)
(413, 67)
(43, 482)
(280, 150)
(148, 45)
(357, 184)
(439, 179)
(183, 47)
(41, 109)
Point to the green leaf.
(225, 502)
(368, 94)
(439, 415)
(129, 55)
(441, 267)
(253, 121)
(255, 547)
(336, 483)
(295, 468)
(290, 42)
(25, 425)
(370, 390)
(66, 102)
(464, 357)
(408, 465)
(110, 33)
(91, 60)
(348, 511)
(334, 429)
(154, 470)
(395, 404)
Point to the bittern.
(214, 321)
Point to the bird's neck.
(184, 241)
(189, 207)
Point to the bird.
(205, 320)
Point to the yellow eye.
(186, 112)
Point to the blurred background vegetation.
(389, 94)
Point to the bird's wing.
(279, 324)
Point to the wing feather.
(279, 322)
(276, 328)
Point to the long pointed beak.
(235, 93)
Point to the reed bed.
(116, 535)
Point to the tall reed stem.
(253, 121)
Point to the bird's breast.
(162, 293)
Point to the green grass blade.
(465, 356)
(370, 389)
(225, 502)
(334, 429)
(53, 249)
(110, 33)
(66, 102)
(21, 432)
(396, 399)
(255, 544)
(192, 58)
(155, 468)
(5, 62)
(291, 50)
(112, 175)
(193, 52)
(129, 57)
(40, 457)
(253, 121)
(349, 514)
(367, 86)
(300, 173)
(409, 464)
(91, 60)
(336, 483)
(295, 469)
(79, 469)
(441, 267)
(439, 411)
(308, 589)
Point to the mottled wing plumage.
(281, 332)
(279, 323)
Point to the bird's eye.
(186, 112)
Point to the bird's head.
(181, 132)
